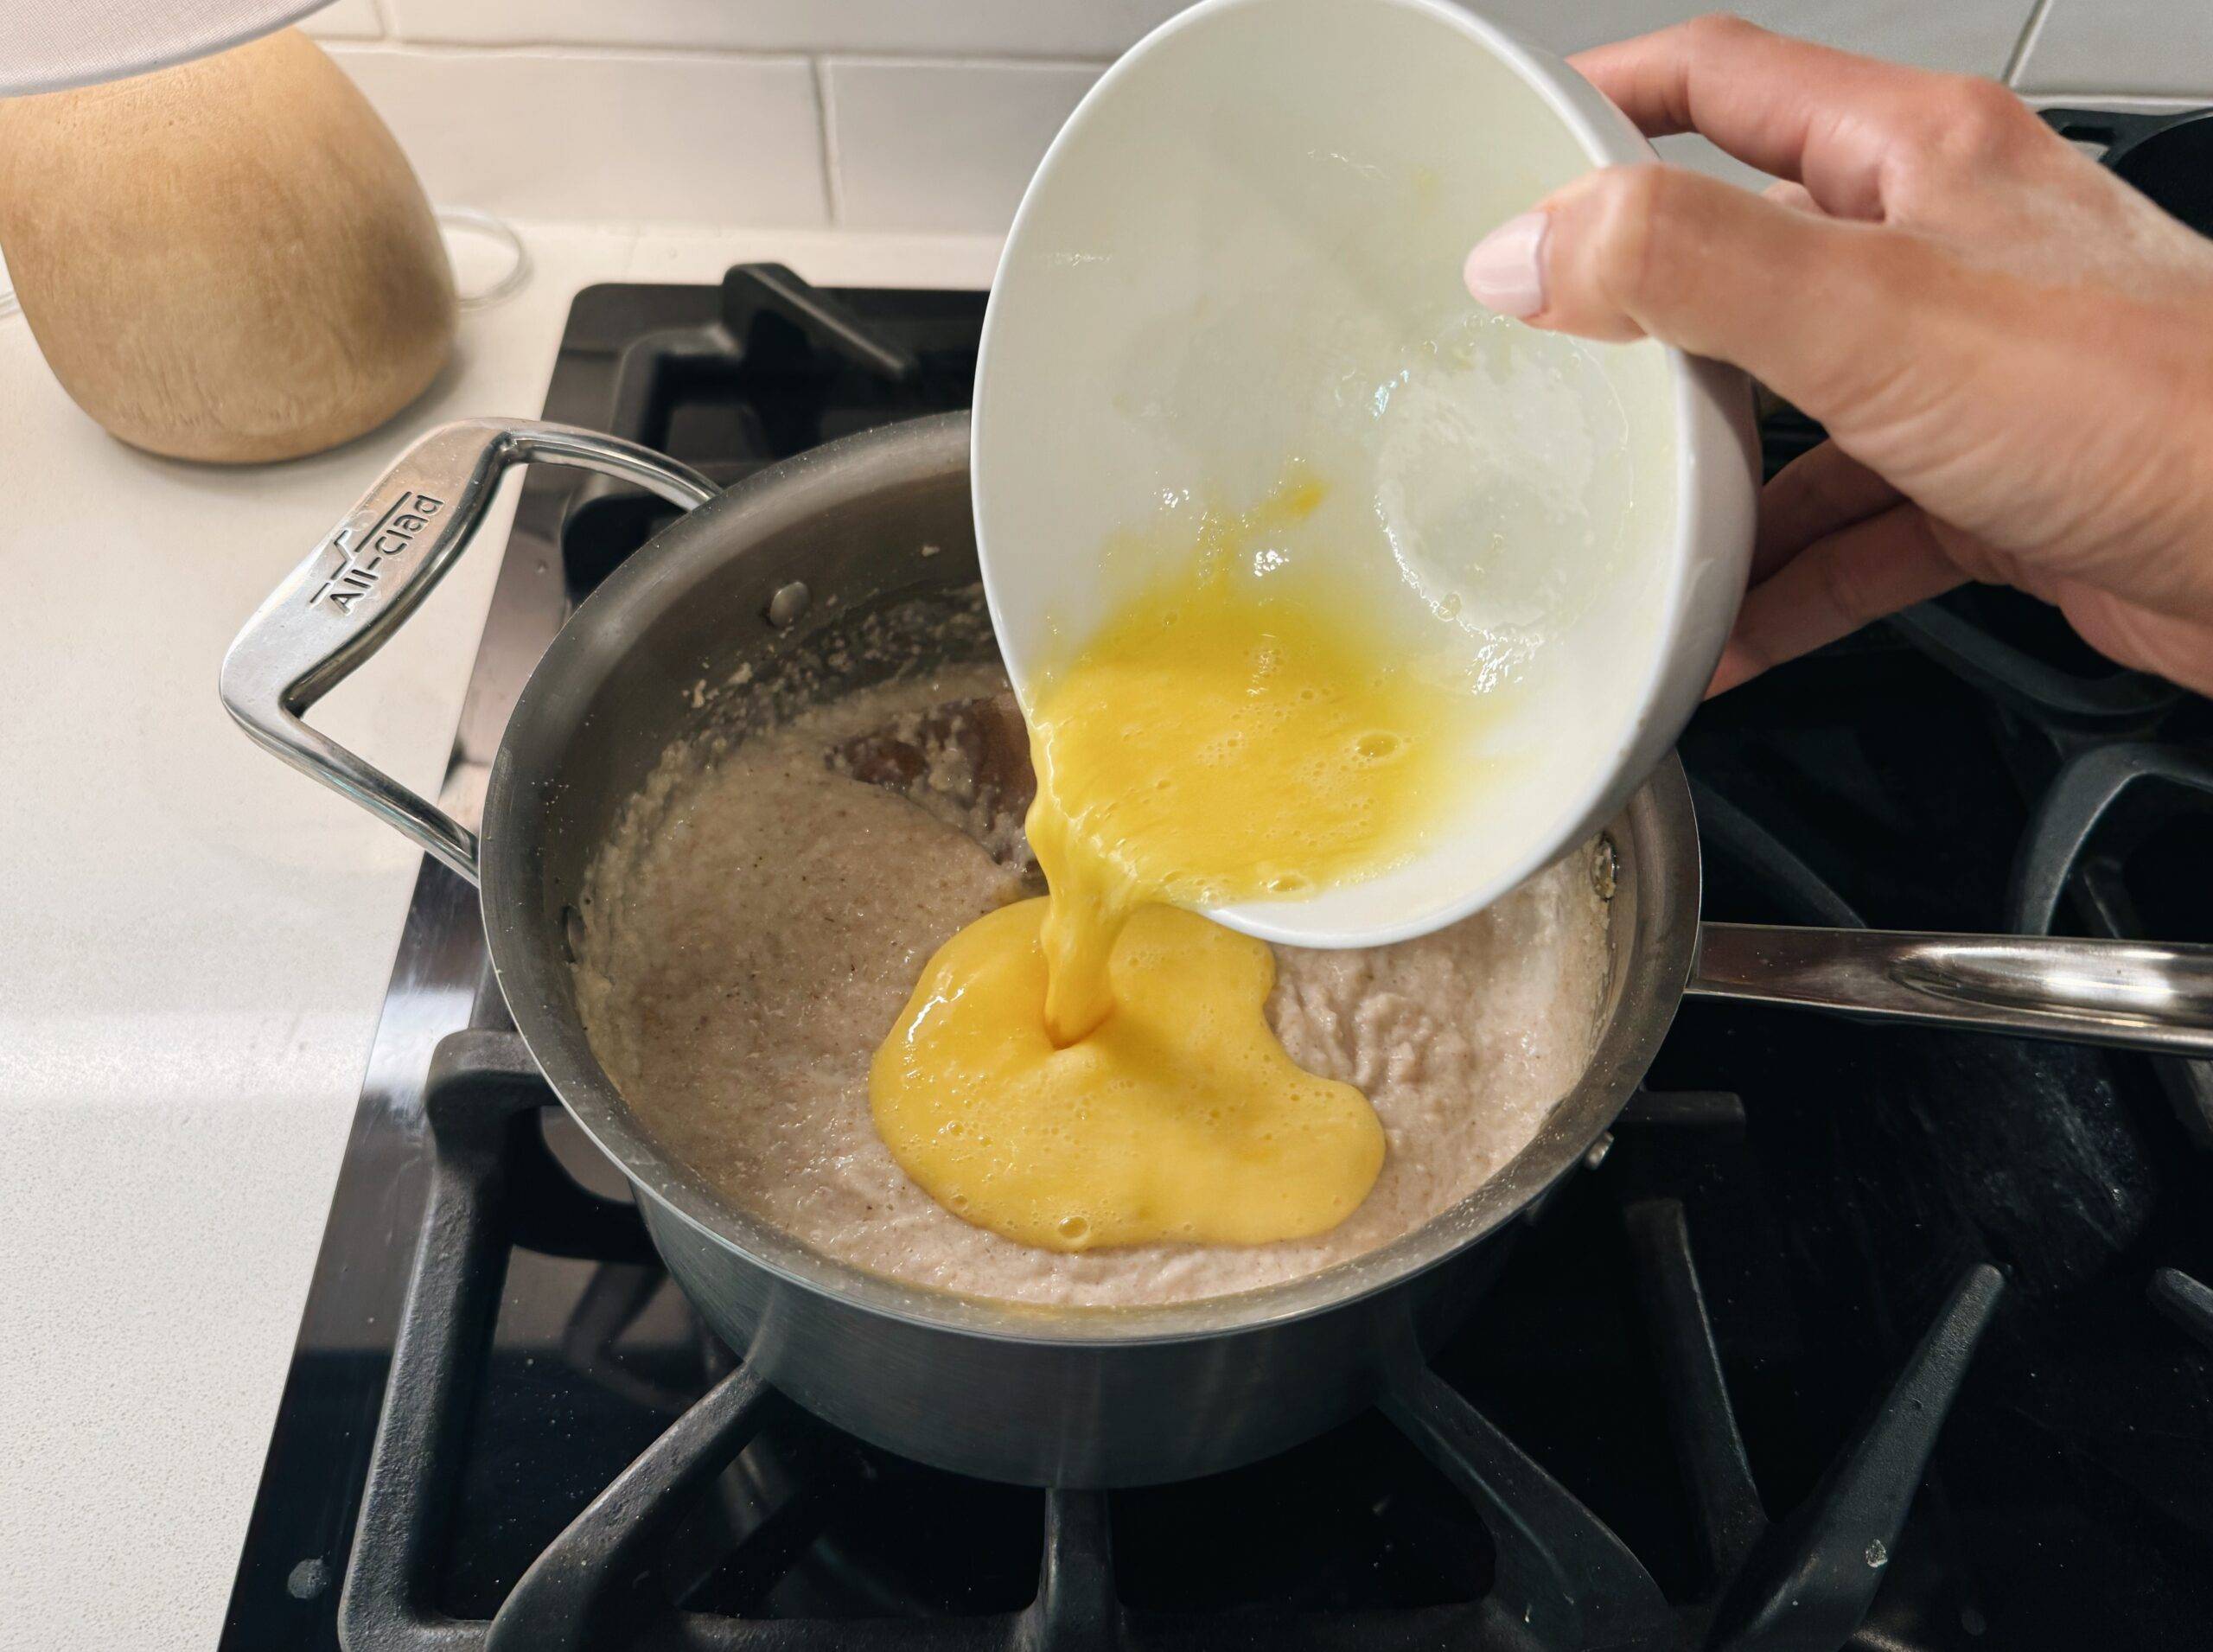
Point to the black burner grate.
(1559, 1580)
(1845, 1215)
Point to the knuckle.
(1976, 122)
(1989, 112)
(1637, 205)
(1719, 26)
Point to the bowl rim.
(1607, 138)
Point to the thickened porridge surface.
(754, 927)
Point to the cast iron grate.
(735, 377)
(1561, 1579)
(2118, 763)
(779, 367)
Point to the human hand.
(2012, 350)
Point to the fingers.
(1832, 588)
(1784, 193)
(1825, 119)
(1821, 311)
(1816, 493)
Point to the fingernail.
(1506, 271)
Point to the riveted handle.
(357, 587)
(2137, 994)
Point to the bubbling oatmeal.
(760, 916)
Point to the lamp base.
(229, 261)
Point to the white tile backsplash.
(1963, 36)
(345, 19)
(939, 27)
(1975, 36)
(622, 138)
(2156, 48)
(929, 115)
(941, 146)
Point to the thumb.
(1819, 310)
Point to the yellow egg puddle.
(1095, 1067)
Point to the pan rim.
(1649, 971)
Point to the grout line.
(876, 60)
(392, 46)
(632, 254)
(2025, 41)
(833, 192)
(569, 48)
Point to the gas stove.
(1847, 1338)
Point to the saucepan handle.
(2138, 994)
(356, 587)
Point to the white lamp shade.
(49, 45)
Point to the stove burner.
(566, 1459)
(782, 367)
(1977, 635)
(1557, 1577)
(2089, 784)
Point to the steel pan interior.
(856, 522)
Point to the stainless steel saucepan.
(1072, 1398)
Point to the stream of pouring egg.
(1095, 1068)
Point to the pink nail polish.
(1506, 271)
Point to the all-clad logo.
(359, 565)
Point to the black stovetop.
(1813, 1249)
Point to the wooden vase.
(228, 261)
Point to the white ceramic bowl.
(1245, 247)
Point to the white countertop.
(200, 940)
